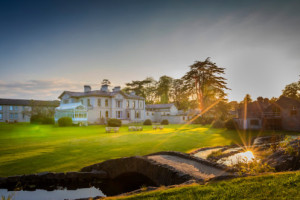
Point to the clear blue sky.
(50, 46)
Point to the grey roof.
(99, 93)
(159, 106)
(27, 102)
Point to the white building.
(159, 112)
(20, 110)
(100, 105)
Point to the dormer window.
(294, 111)
(66, 101)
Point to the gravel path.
(191, 167)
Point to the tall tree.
(163, 88)
(138, 87)
(206, 80)
(292, 90)
(179, 94)
(151, 90)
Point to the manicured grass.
(273, 186)
(26, 148)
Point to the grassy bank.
(26, 148)
(273, 186)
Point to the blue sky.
(50, 46)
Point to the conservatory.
(76, 111)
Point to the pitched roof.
(27, 102)
(71, 106)
(99, 93)
(159, 106)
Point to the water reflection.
(244, 157)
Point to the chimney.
(117, 89)
(87, 88)
(104, 88)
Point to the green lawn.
(26, 148)
(274, 186)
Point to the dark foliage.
(164, 122)
(114, 123)
(147, 122)
(65, 121)
(231, 124)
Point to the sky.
(47, 47)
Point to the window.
(0, 107)
(15, 107)
(11, 108)
(99, 102)
(65, 101)
(16, 116)
(128, 115)
(133, 104)
(147, 114)
(183, 118)
(127, 104)
(81, 101)
(294, 111)
(106, 114)
(141, 104)
(89, 102)
(119, 114)
(1, 116)
(118, 104)
(137, 114)
(11, 116)
(106, 102)
(254, 122)
(100, 114)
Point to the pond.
(52, 195)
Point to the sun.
(248, 155)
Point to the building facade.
(159, 112)
(104, 104)
(284, 114)
(20, 110)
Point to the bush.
(164, 122)
(231, 124)
(48, 120)
(147, 122)
(114, 123)
(65, 121)
(203, 120)
(36, 119)
(218, 124)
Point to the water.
(237, 158)
(53, 195)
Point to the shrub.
(203, 120)
(65, 121)
(231, 124)
(48, 120)
(218, 124)
(114, 123)
(147, 122)
(164, 122)
(36, 119)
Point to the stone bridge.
(162, 168)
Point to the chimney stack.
(104, 88)
(117, 89)
(87, 88)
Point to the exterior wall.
(247, 125)
(17, 114)
(95, 112)
(175, 119)
(290, 122)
